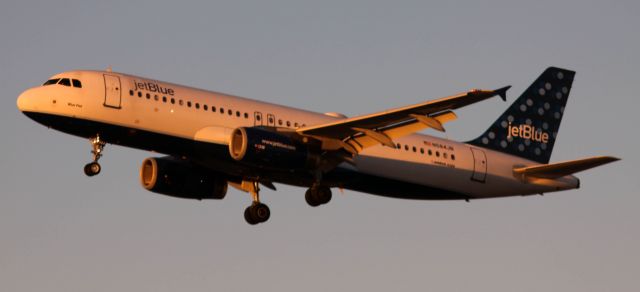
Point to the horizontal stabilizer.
(560, 169)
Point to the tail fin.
(529, 127)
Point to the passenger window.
(280, 122)
(164, 99)
(398, 146)
(173, 100)
(295, 125)
(156, 97)
(222, 110)
(188, 103)
(453, 157)
(288, 124)
(65, 82)
(205, 107)
(148, 96)
(246, 115)
(406, 147)
(421, 150)
(131, 92)
(444, 155)
(51, 81)
(237, 114)
(414, 149)
(197, 105)
(230, 112)
(139, 94)
(180, 102)
(430, 153)
(437, 153)
(76, 83)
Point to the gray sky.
(62, 231)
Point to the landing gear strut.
(257, 212)
(94, 167)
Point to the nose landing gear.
(93, 168)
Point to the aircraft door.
(112, 96)
(257, 119)
(479, 165)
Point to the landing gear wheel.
(248, 217)
(318, 195)
(92, 168)
(310, 197)
(257, 213)
(261, 212)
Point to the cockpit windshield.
(64, 81)
(51, 81)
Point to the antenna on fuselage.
(109, 69)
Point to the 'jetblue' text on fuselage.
(153, 87)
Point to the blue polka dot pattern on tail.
(529, 127)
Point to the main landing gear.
(257, 212)
(317, 195)
(94, 167)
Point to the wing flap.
(361, 142)
(560, 169)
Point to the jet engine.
(172, 177)
(272, 150)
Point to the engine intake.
(266, 149)
(172, 177)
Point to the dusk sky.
(63, 231)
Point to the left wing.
(357, 133)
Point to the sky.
(63, 231)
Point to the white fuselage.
(188, 113)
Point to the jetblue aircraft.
(213, 140)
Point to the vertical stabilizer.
(529, 127)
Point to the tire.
(248, 217)
(311, 198)
(316, 196)
(92, 169)
(260, 212)
(324, 195)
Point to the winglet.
(502, 92)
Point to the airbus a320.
(213, 140)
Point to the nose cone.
(28, 100)
(23, 101)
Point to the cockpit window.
(76, 83)
(65, 82)
(51, 81)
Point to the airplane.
(213, 140)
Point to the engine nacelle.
(266, 149)
(172, 177)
